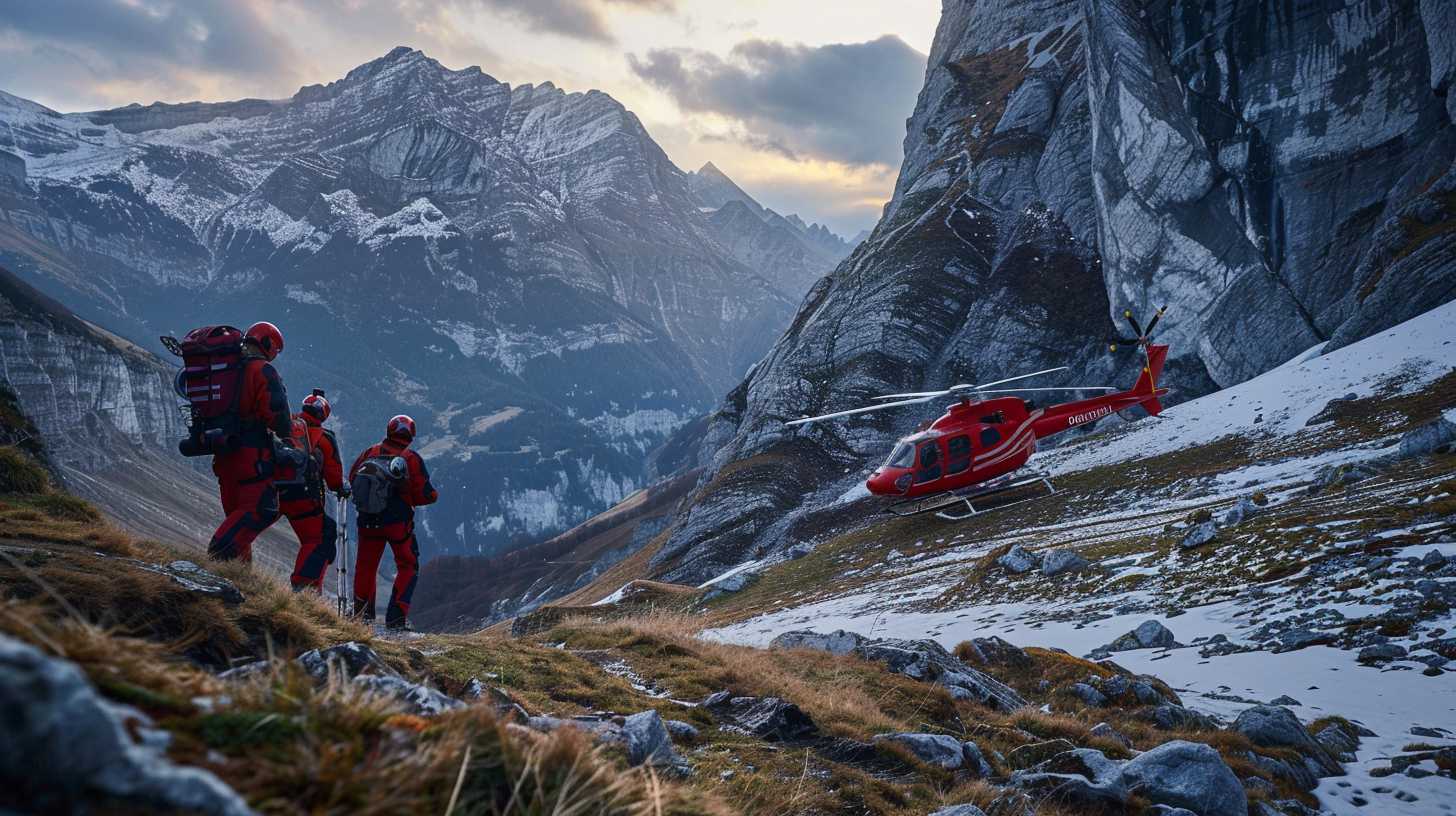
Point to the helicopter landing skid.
(942, 504)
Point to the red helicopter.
(968, 453)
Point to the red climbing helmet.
(401, 429)
(267, 337)
(315, 406)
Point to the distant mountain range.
(522, 269)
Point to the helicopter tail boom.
(1148, 381)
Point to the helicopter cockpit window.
(957, 454)
(990, 437)
(929, 463)
(902, 457)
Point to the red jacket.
(416, 491)
(262, 403)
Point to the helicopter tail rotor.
(1141, 336)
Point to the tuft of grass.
(20, 472)
(66, 507)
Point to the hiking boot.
(398, 626)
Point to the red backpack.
(211, 381)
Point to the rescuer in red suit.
(245, 475)
(301, 493)
(395, 525)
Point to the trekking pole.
(341, 567)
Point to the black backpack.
(376, 482)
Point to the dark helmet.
(401, 429)
(267, 337)
(316, 407)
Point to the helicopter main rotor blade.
(931, 394)
(865, 410)
(1151, 323)
(1062, 388)
(1137, 329)
(983, 386)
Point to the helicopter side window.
(929, 463)
(989, 438)
(902, 457)
(957, 454)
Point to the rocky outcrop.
(1278, 180)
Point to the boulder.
(929, 661)
(600, 728)
(1057, 562)
(1381, 653)
(838, 642)
(959, 810)
(1188, 775)
(1079, 777)
(1171, 717)
(1146, 694)
(1198, 535)
(933, 749)
(416, 698)
(1148, 635)
(649, 742)
(1089, 695)
(1341, 476)
(1018, 560)
(768, 718)
(681, 731)
(196, 579)
(975, 760)
(1436, 436)
(351, 659)
(993, 651)
(1241, 510)
(1277, 727)
(64, 746)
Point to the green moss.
(20, 472)
(232, 731)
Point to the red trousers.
(317, 541)
(401, 539)
(245, 483)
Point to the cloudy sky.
(803, 102)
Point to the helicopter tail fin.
(1148, 381)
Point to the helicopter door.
(958, 455)
(929, 469)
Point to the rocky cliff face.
(1279, 177)
(522, 269)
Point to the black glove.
(345, 492)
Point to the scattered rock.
(1080, 776)
(1018, 560)
(1341, 476)
(682, 731)
(1172, 717)
(933, 749)
(1382, 653)
(417, 699)
(1188, 775)
(1276, 727)
(1199, 535)
(1146, 694)
(838, 642)
(1436, 436)
(993, 651)
(1241, 510)
(1057, 562)
(1089, 695)
(975, 761)
(768, 718)
(929, 661)
(352, 659)
(196, 579)
(1340, 742)
(1148, 635)
(648, 741)
(1284, 700)
(959, 810)
(1422, 731)
(63, 746)
(1434, 559)
(1292, 640)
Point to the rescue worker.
(395, 525)
(245, 475)
(301, 493)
